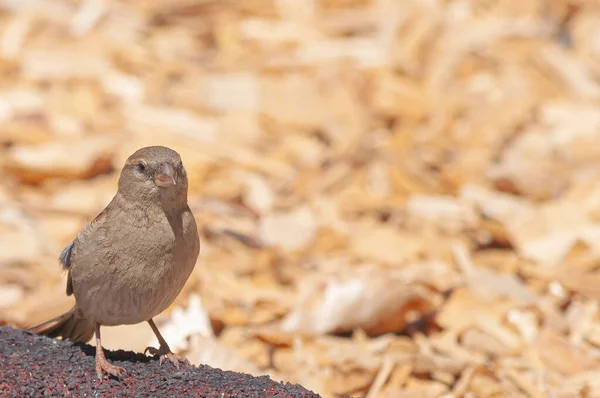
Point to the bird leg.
(101, 362)
(164, 352)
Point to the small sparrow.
(132, 260)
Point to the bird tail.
(68, 326)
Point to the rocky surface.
(32, 365)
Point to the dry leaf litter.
(395, 198)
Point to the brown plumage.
(132, 260)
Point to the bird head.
(154, 172)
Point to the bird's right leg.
(101, 362)
(164, 352)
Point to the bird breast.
(126, 274)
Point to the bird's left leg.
(101, 362)
(164, 352)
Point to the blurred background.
(395, 198)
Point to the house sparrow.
(132, 260)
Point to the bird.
(130, 263)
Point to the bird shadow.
(119, 355)
(136, 365)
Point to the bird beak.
(166, 177)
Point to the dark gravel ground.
(37, 366)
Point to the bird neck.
(172, 200)
(167, 203)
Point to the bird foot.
(103, 365)
(165, 353)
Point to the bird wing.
(65, 260)
(65, 255)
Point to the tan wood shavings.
(526, 323)
(583, 282)
(558, 354)
(574, 75)
(419, 388)
(478, 341)
(357, 302)
(275, 226)
(489, 284)
(87, 17)
(448, 214)
(432, 273)
(581, 316)
(370, 242)
(394, 198)
(10, 295)
(13, 36)
(462, 384)
(89, 157)
(524, 384)
(447, 343)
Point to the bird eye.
(141, 166)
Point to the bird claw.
(174, 359)
(103, 365)
(165, 353)
(153, 351)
